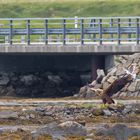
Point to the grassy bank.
(68, 8)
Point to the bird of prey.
(117, 85)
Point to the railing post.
(10, 32)
(28, 32)
(94, 25)
(119, 35)
(100, 31)
(137, 32)
(46, 31)
(82, 31)
(129, 24)
(111, 25)
(64, 31)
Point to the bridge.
(66, 43)
(70, 35)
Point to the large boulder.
(64, 129)
(119, 131)
(8, 114)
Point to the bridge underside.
(75, 49)
(81, 63)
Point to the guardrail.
(76, 30)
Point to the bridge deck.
(71, 48)
(70, 35)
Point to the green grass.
(68, 8)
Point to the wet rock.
(8, 114)
(28, 80)
(107, 112)
(120, 132)
(127, 109)
(4, 79)
(64, 129)
(97, 111)
(55, 78)
(73, 128)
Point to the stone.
(55, 78)
(4, 79)
(119, 131)
(63, 129)
(120, 71)
(10, 91)
(107, 112)
(112, 72)
(28, 79)
(106, 85)
(132, 86)
(127, 109)
(97, 111)
(112, 79)
(100, 75)
(90, 93)
(8, 114)
(73, 128)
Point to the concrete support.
(109, 62)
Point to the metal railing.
(98, 30)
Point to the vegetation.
(68, 8)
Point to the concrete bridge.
(73, 43)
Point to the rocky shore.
(39, 84)
(103, 80)
(78, 121)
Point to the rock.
(127, 109)
(97, 111)
(107, 112)
(55, 78)
(90, 93)
(73, 128)
(119, 131)
(39, 109)
(100, 75)
(106, 85)
(8, 114)
(10, 91)
(28, 79)
(112, 79)
(4, 79)
(120, 71)
(64, 129)
(132, 86)
(112, 72)
(82, 92)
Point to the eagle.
(118, 84)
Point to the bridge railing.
(93, 30)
